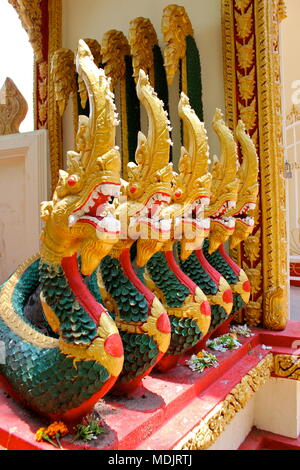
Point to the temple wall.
(23, 183)
(92, 19)
(266, 411)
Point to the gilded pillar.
(252, 83)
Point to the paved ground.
(295, 303)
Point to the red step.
(263, 440)
(163, 411)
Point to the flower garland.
(224, 343)
(202, 361)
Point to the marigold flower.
(58, 427)
(39, 434)
(200, 355)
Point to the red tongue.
(96, 209)
(153, 209)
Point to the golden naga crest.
(149, 189)
(176, 25)
(191, 187)
(142, 38)
(80, 216)
(224, 186)
(248, 189)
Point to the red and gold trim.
(252, 93)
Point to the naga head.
(191, 188)
(148, 189)
(80, 217)
(224, 186)
(248, 190)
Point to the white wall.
(93, 18)
(23, 183)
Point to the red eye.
(133, 189)
(178, 194)
(72, 181)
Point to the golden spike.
(63, 76)
(142, 38)
(95, 49)
(248, 191)
(176, 25)
(248, 172)
(103, 119)
(198, 148)
(152, 154)
(224, 171)
(114, 49)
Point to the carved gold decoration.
(54, 121)
(63, 76)
(176, 26)
(35, 24)
(142, 38)
(114, 47)
(97, 161)
(209, 429)
(13, 108)
(252, 92)
(95, 49)
(193, 181)
(254, 277)
(287, 366)
(224, 170)
(293, 116)
(30, 14)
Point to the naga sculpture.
(223, 197)
(142, 320)
(64, 360)
(187, 306)
(243, 222)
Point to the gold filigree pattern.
(53, 118)
(287, 366)
(13, 108)
(253, 93)
(95, 49)
(246, 54)
(63, 76)
(176, 26)
(209, 429)
(142, 38)
(30, 14)
(114, 48)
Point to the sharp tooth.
(166, 224)
(110, 223)
(231, 204)
(72, 220)
(251, 206)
